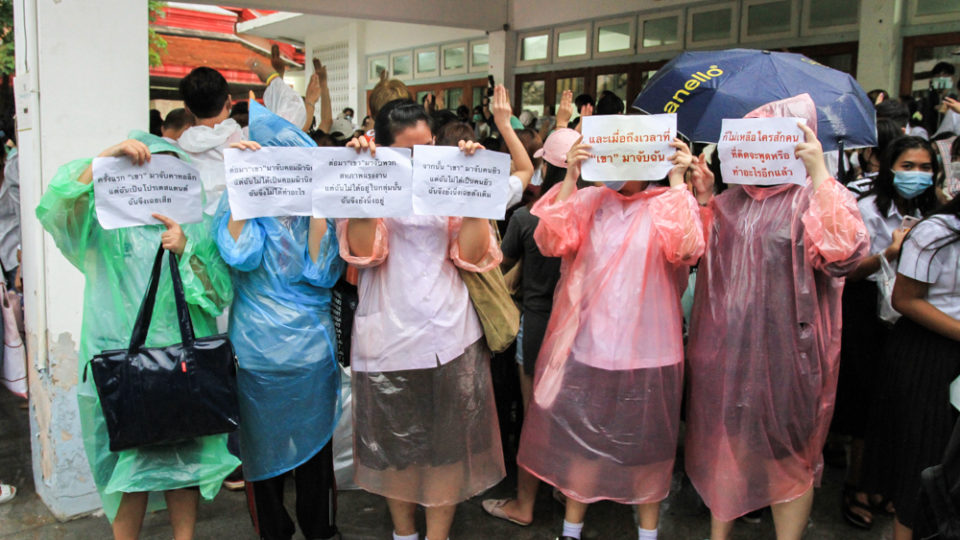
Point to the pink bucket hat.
(555, 148)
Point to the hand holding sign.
(766, 151)
(629, 147)
(173, 238)
(128, 194)
(681, 162)
(360, 185)
(811, 153)
(467, 181)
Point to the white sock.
(414, 536)
(572, 529)
(647, 534)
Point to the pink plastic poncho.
(605, 412)
(765, 336)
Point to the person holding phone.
(117, 265)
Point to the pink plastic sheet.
(765, 337)
(604, 416)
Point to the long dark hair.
(952, 208)
(396, 116)
(883, 183)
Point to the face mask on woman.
(910, 184)
(616, 186)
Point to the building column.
(95, 88)
(878, 56)
(503, 58)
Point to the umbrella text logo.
(692, 84)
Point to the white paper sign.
(270, 182)
(761, 151)
(448, 183)
(635, 147)
(352, 185)
(126, 195)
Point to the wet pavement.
(362, 516)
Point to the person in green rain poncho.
(116, 264)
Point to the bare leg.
(720, 530)
(649, 515)
(439, 520)
(126, 526)
(521, 508)
(790, 518)
(403, 514)
(901, 531)
(526, 388)
(182, 505)
(575, 511)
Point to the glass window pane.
(614, 82)
(574, 84)
(645, 77)
(453, 97)
(711, 25)
(572, 43)
(937, 7)
(772, 18)
(422, 94)
(377, 65)
(401, 65)
(657, 32)
(535, 47)
(454, 58)
(532, 96)
(478, 92)
(613, 37)
(826, 13)
(481, 54)
(427, 61)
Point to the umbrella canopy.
(705, 87)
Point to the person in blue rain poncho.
(116, 265)
(281, 328)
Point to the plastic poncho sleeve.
(246, 251)
(380, 245)
(491, 259)
(206, 280)
(677, 220)
(327, 269)
(706, 218)
(834, 234)
(561, 226)
(282, 100)
(67, 211)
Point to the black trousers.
(316, 500)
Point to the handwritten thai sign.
(628, 147)
(761, 151)
(352, 185)
(127, 195)
(270, 182)
(448, 183)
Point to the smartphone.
(908, 222)
(490, 85)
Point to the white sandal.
(7, 492)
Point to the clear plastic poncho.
(280, 326)
(764, 345)
(604, 419)
(117, 264)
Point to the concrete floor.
(364, 517)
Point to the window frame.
(588, 45)
(397, 54)
(792, 32)
(734, 30)
(385, 58)
(443, 63)
(807, 30)
(417, 72)
(477, 69)
(914, 19)
(632, 21)
(533, 33)
(681, 27)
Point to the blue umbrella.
(705, 87)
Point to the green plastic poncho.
(116, 264)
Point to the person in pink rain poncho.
(603, 421)
(764, 342)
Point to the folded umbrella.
(704, 87)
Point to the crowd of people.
(745, 312)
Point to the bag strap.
(142, 325)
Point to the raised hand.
(320, 71)
(361, 144)
(565, 111)
(275, 61)
(681, 162)
(501, 108)
(313, 90)
(811, 153)
(702, 180)
(470, 148)
(578, 153)
(132, 148)
(173, 238)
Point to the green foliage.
(7, 65)
(157, 44)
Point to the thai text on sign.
(446, 182)
(352, 185)
(761, 151)
(127, 195)
(628, 147)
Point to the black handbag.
(168, 394)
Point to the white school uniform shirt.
(879, 226)
(206, 145)
(939, 268)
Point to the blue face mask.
(910, 184)
(616, 186)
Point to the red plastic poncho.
(605, 412)
(765, 336)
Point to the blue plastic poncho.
(281, 329)
(117, 264)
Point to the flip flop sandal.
(7, 492)
(494, 507)
(850, 502)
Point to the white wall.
(384, 36)
(537, 13)
(58, 44)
